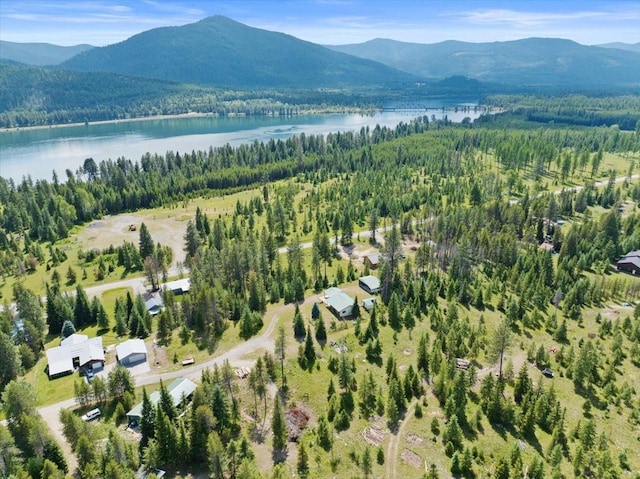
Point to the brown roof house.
(630, 263)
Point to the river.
(38, 152)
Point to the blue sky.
(102, 22)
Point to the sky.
(329, 22)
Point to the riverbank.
(322, 111)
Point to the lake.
(38, 152)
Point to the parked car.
(547, 372)
(91, 415)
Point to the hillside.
(34, 95)
(631, 47)
(39, 53)
(533, 62)
(219, 51)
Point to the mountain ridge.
(39, 54)
(528, 62)
(222, 52)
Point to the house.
(180, 391)
(371, 284)
(154, 304)
(372, 260)
(178, 287)
(131, 352)
(76, 351)
(630, 263)
(339, 303)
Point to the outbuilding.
(372, 260)
(371, 284)
(131, 352)
(178, 287)
(630, 263)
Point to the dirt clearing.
(165, 227)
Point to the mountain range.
(532, 62)
(222, 52)
(164, 67)
(39, 53)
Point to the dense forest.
(475, 200)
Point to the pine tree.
(147, 420)
(279, 428)
(321, 331)
(146, 245)
(423, 355)
(82, 310)
(315, 311)
(299, 329)
(309, 350)
(395, 319)
(303, 460)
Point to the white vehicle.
(91, 415)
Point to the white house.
(131, 352)
(76, 351)
(340, 303)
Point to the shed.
(371, 284)
(131, 352)
(368, 303)
(630, 263)
(372, 260)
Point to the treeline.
(36, 96)
(577, 110)
(376, 160)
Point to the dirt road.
(394, 442)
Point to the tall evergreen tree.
(145, 244)
(82, 310)
(279, 428)
(147, 420)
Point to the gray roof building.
(180, 389)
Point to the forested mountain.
(219, 51)
(632, 47)
(533, 62)
(39, 53)
(38, 95)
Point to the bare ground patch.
(414, 440)
(411, 458)
(376, 432)
(165, 228)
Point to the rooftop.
(339, 301)
(129, 347)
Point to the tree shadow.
(257, 433)
(280, 456)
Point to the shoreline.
(108, 122)
(198, 115)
